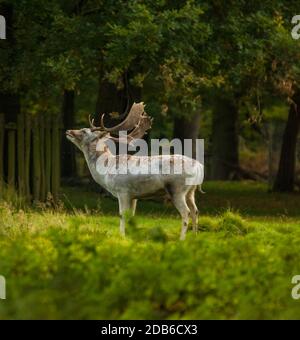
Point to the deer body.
(128, 187)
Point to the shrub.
(232, 224)
(61, 267)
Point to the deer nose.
(70, 133)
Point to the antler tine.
(93, 127)
(102, 122)
(91, 121)
(142, 127)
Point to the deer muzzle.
(73, 134)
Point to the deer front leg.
(124, 205)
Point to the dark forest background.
(225, 71)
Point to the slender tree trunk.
(68, 168)
(36, 161)
(11, 168)
(225, 155)
(286, 172)
(42, 156)
(48, 155)
(27, 157)
(21, 152)
(55, 180)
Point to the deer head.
(136, 124)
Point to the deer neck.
(92, 154)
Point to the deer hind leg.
(133, 206)
(124, 206)
(190, 200)
(180, 204)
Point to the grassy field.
(70, 262)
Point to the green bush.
(232, 224)
(62, 266)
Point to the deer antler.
(137, 121)
(132, 119)
(138, 132)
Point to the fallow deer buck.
(128, 187)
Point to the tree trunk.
(68, 168)
(187, 128)
(225, 154)
(112, 99)
(286, 172)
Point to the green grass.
(251, 199)
(71, 262)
